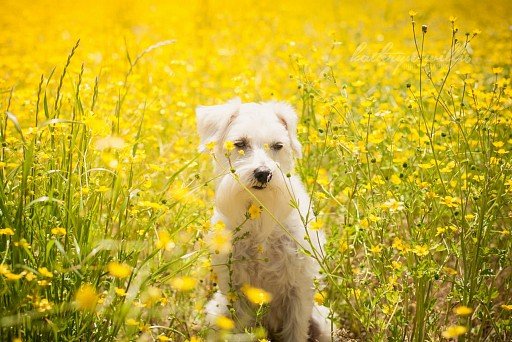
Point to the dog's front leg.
(296, 315)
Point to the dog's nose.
(263, 175)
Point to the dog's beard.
(243, 180)
(236, 190)
(246, 176)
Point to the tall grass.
(416, 204)
(83, 255)
(104, 199)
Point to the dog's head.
(264, 138)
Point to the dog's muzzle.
(263, 175)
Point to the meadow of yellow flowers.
(405, 118)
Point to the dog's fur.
(269, 252)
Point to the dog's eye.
(241, 144)
(277, 146)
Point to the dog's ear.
(212, 121)
(288, 117)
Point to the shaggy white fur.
(270, 252)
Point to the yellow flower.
(256, 295)
(194, 339)
(86, 297)
(507, 307)
(229, 146)
(319, 297)
(377, 249)
(102, 188)
(120, 292)
(30, 276)
(219, 225)
(6, 231)
(164, 240)
(211, 145)
(224, 323)
(163, 338)
(428, 165)
(119, 270)
(451, 202)
(144, 327)
(395, 180)
(396, 264)
(440, 230)
(45, 273)
(4, 269)
(254, 211)
(316, 225)
(44, 305)
(59, 231)
(469, 217)
(462, 310)
(398, 244)
(13, 276)
(412, 13)
(378, 180)
(420, 250)
(220, 241)
(132, 322)
(23, 244)
(43, 283)
(183, 284)
(152, 205)
(343, 245)
(179, 194)
(454, 331)
(322, 177)
(387, 309)
(260, 248)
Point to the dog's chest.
(267, 260)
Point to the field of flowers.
(405, 118)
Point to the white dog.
(275, 252)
